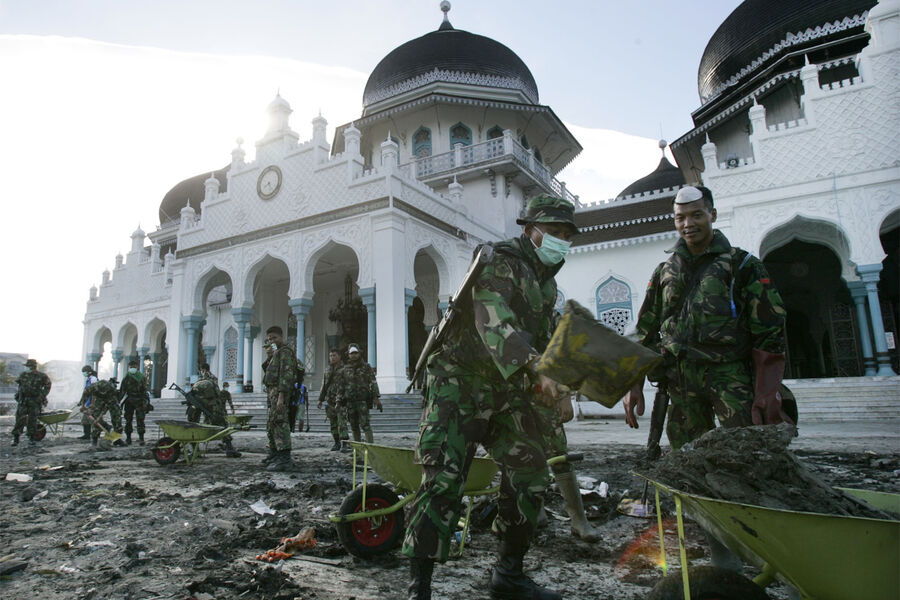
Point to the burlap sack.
(588, 356)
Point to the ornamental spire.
(445, 24)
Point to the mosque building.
(365, 237)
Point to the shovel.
(111, 436)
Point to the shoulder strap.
(734, 274)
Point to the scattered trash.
(603, 489)
(290, 545)
(48, 468)
(261, 508)
(633, 507)
(18, 477)
(586, 482)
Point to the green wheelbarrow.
(53, 420)
(370, 520)
(188, 436)
(825, 557)
(241, 422)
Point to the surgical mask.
(132, 370)
(29, 369)
(552, 249)
(274, 346)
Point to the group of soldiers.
(349, 392)
(101, 397)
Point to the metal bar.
(684, 562)
(662, 542)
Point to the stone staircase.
(847, 398)
(401, 412)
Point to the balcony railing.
(476, 155)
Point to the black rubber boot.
(281, 462)
(230, 452)
(337, 444)
(420, 570)
(128, 438)
(141, 439)
(508, 582)
(15, 441)
(87, 432)
(269, 457)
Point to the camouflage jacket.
(507, 321)
(732, 309)
(133, 386)
(281, 371)
(225, 399)
(103, 390)
(33, 384)
(356, 382)
(206, 389)
(330, 386)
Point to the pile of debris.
(752, 465)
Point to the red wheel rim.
(165, 453)
(40, 432)
(375, 531)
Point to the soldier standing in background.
(357, 393)
(134, 390)
(90, 378)
(337, 418)
(225, 399)
(31, 396)
(279, 379)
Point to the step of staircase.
(401, 412)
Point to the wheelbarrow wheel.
(165, 456)
(708, 583)
(40, 432)
(370, 537)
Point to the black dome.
(665, 176)
(450, 55)
(193, 188)
(759, 31)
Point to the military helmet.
(31, 363)
(87, 369)
(549, 209)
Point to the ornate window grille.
(614, 307)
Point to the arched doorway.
(270, 292)
(821, 328)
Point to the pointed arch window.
(231, 353)
(614, 307)
(460, 134)
(524, 142)
(422, 142)
(495, 132)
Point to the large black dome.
(190, 190)
(758, 31)
(664, 177)
(453, 56)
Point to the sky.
(107, 104)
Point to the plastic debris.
(603, 489)
(290, 545)
(261, 508)
(18, 477)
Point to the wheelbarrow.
(52, 420)
(190, 437)
(825, 557)
(370, 520)
(241, 422)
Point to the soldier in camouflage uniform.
(206, 391)
(480, 388)
(104, 398)
(279, 379)
(225, 401)
(31, 396)
(712, 312)
(357, 392)
(134, 390)
(90, 378)
(337, 418)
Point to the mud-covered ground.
(115, 524)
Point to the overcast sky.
(107, 104)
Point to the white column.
(390, 293)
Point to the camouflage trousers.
(27, 412)
(701, 392)
(554, 436)
(357, 412)
(460, 413)
(337, 419)
(134, 409)
(98, 408)
(278, 428)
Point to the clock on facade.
(269, 182)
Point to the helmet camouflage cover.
(549, 209)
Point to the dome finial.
(662, 146)
(445, 8)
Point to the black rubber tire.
(708, 583)
(40, 432)
(370, 537)
(165, 456)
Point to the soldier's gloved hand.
(768, 369)
(634, 402)
(548, 390)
